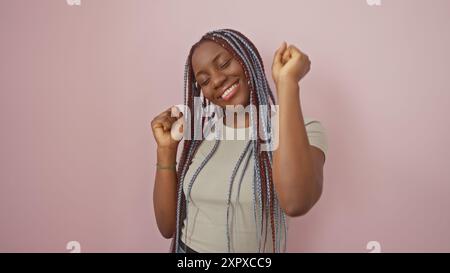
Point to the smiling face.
(219, 75)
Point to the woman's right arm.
(165, 188)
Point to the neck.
(236, 121)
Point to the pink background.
(80, 84)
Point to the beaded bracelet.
(166, 167)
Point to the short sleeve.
(317, 134)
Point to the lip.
(232, 93)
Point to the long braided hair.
(267, 211)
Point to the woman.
(236, 195)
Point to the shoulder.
(317, 134)
(311, 122)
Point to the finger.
(158, 128)
(286, 56)
(167, 124)
(180, 122)
(156, 125)
(157, 120)
(295, 51)
(277, 60)
(177, 130)
(167, 112)
(170, 118)
(164, 122)
(159, 123)
(175, 112)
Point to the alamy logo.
(208, 123)
(74, 247)
(73, 2)
(374, 247)
(373, 2)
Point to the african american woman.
(223, 194)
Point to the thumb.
(175, 112)
(158, 131)
(177, 130)
(277, 59)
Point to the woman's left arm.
(297, 166)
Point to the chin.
(243, 99)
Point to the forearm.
(293, 169)
(164, 193)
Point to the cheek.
(207, 94)
(237, 68)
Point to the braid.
(266, 205)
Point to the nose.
(218, 79)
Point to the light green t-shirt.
(204, 229)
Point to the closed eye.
(204, 83)
(221, 67)
(225, 64)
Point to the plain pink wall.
(80, 85)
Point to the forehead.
(205, 53)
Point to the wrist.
(171, 167)
(166, 155)
(286, 82)
(287, 88)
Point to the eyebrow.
(213, 60)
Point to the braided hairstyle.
(266, 206)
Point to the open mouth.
(229, 92)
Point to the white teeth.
(228, 91)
